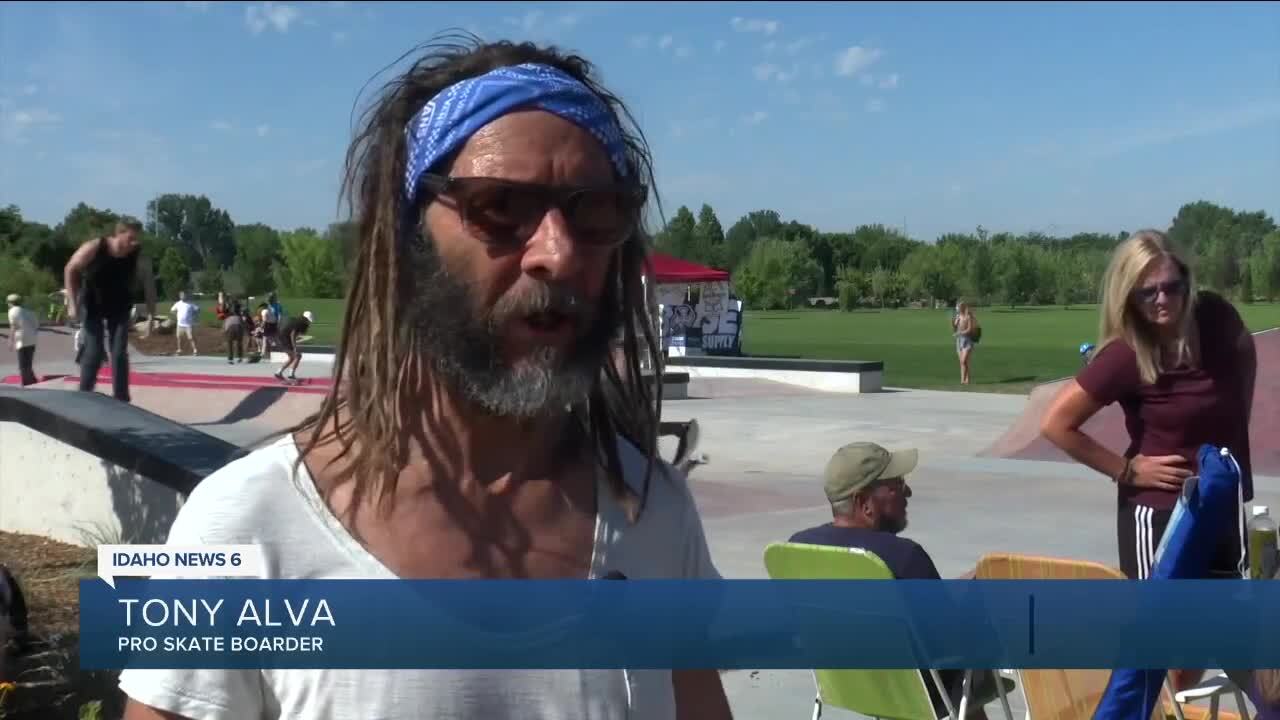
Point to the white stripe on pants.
(1145, 545)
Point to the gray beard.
(463, 344)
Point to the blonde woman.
(1182, 365)
(964, 326)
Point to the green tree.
(211, 281)
(881, 247)
(1016, 272)
(22, 276)
(708, 239)
(852, 285)
(1198, 223)
(1215, 262)
(1265, 266)
(746, 231)
(980, 281)
(257, 250)
(927, 276)
(882, 285)
(310, 266)
(677, 238)
(202, 232)
(346, 237)
(777, 275)
(11, 226)
(173, 273)
(51, 251)
(1246, 287)
(35, 241)
(1065, 273)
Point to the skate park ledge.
(83, 468)
(845, 376)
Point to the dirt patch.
(50, 684)
(209, 341)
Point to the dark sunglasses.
(1173, 288)
(507, 212)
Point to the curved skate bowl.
(1022, 441)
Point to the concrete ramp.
(84, 469)
(1022, 441)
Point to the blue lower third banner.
(659, 624)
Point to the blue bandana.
(450, 118)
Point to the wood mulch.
(209, 341)
(50, 684)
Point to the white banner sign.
(712, 325)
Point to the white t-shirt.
(185, 312)
(260, 500)
(24, 326)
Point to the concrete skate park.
(70, 462)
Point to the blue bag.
(1208, 506)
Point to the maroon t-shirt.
(1185, 408)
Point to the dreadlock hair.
(376, 352)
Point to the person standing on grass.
(1182, 365)
(964, 325)
(24, 330)
(288, 340)
(233, 331)
(100, 279)
(187, 316)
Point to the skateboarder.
(100, 279)
(288, 339)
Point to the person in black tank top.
(100, 280)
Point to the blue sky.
(1058, 117)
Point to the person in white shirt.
(24, 330)
(268, 324)
(186, 314)
(477, 436)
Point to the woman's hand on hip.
(1164, 472)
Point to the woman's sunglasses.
(507, 212)
(1149, 293)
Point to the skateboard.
(291, 381)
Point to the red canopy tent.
(668, 269)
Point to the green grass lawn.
(324, 331)
(1020, 348)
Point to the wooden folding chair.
(1072, 694)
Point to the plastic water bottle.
(1263, 553)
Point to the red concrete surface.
(318, 386)
(1022, 441)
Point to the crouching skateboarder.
(287, 337)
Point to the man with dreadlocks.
(477, 427)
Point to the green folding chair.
(881, 694)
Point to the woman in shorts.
(963, 326)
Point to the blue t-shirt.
(905, 558)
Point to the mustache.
(539, 297)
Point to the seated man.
(866, 486)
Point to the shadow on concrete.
(144, 509)
(253, 405)
(127, 436)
